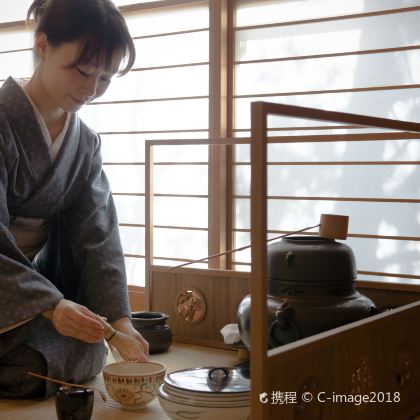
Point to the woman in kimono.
(61, 259)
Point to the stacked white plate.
(207, 392)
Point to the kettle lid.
(310, 258)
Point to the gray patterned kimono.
(82, 259)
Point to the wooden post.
(258, 285)
(149, 222)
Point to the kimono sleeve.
(92, 224)
(24, 293)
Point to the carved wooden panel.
(378, 357)
(220, 293)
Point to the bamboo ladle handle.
(242, 247)
(332, 226)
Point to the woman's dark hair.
(98, 22)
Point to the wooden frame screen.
(260, 358)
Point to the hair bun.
(36, 9)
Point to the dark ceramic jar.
(74, 403)
(311, 288)
(153, 327)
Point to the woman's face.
(70, 87)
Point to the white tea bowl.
(133, 384)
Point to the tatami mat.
(179, 356)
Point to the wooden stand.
(376, 358)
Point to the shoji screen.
(15, 41)
(354, 56)
(165, 96)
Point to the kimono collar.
(25, 126)
(27, 130)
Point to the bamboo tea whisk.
(122, 346)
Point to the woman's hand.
(125, 326)
(77, 321)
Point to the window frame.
(221, 124)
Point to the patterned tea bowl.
(133, 384)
